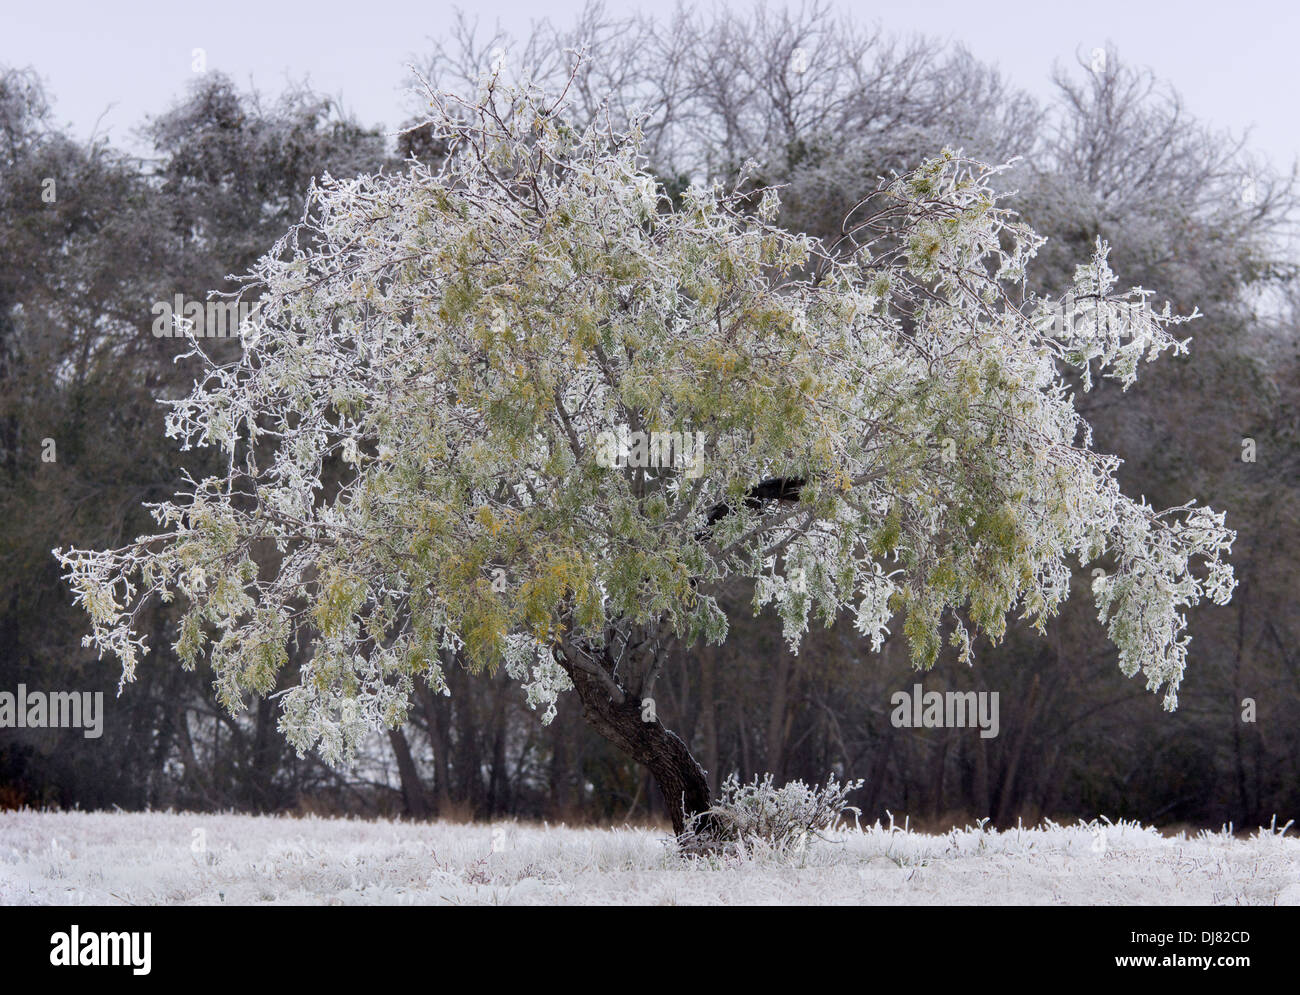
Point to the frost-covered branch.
(494, 408)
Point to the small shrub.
(760, 817)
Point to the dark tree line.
(1114, 155)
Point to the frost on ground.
(71, 858)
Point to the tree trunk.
(774, 754)
(708, 712)
(413, 796)
(1006, 799)
(435, 717)
(682, 780)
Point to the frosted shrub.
(758, 816)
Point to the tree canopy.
(415, 433)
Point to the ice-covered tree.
(529, 409)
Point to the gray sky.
(1234, 62)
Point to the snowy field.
(164, 858)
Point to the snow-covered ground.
(167, 858)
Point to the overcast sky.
(1234, 61)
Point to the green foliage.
(459, 341)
